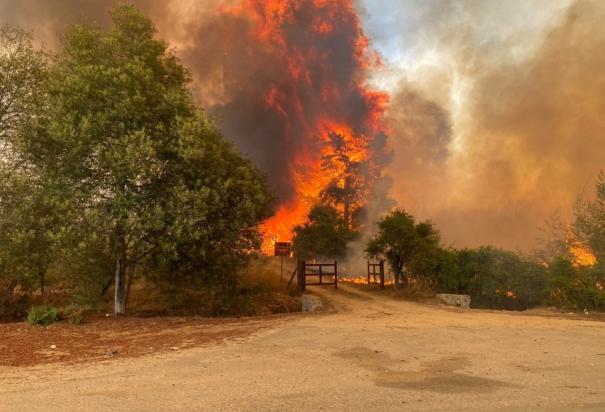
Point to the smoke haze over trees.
(496, 116)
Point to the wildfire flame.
(324, 55)
(362, 281)
(580, 253)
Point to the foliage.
(576, 287)
(29, 217)
(406, 245)
(42, 315)
(212, 210)
(27, 210)
(153, 187)
(492, 277)
(590, 219)
(553, 240)
(22, 72)
(324, 235)
(74, 314)
(500, 279)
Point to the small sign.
(283, 248)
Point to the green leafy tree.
(22, 72)
(324, 235)
(154, 183)
(29, 221)
(215, 203)
(575, 287)
(27, 210)
(405, 245)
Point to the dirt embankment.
(101, 338)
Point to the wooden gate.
(318, 274)
(376, 273)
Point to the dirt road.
(370, 353)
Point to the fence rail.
(324, 274)
(376, 273)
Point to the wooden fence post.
(382, 274)
(300, 275)
(335, 274)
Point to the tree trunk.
(120, 290)
(130, 281)
(120, 274)
(41, 276)
(347, 205)
(397, 280)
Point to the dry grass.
(266, 272)
(416, 291)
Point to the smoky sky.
(508, 128)
(496, 111)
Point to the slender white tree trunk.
(120, 290)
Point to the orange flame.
(362, 281)
(580, 253)
(310, 69)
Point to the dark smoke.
(224, 52)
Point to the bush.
(576, 288)
(324, 235)
(493, 278)
(73, 314)
(42, 315)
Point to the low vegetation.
(42, 315)
(496, 278)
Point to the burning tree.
(302, 86)
(345, 162)
(590, 220)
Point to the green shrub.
(42, 315)
(73, 314)
(493, 278)
(576, 288)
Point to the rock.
(111, 353)
(53, 346)
(310, 303)
(462, 301)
